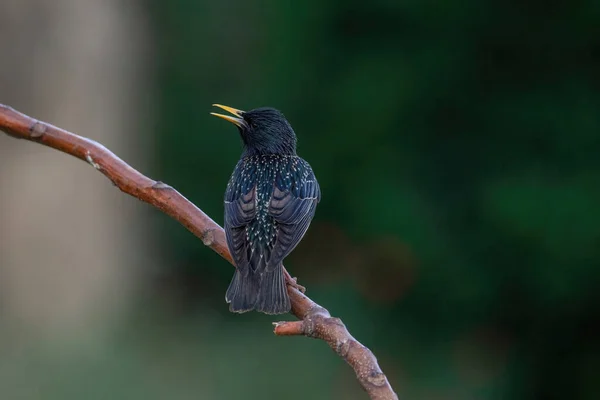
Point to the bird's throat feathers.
(267, 145)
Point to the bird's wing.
(292, 206)
(240, 210)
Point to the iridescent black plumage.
(269, 203)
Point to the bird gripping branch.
(269, 203)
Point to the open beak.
(239, 121)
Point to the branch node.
(90, 160)
(342, 347)
(377, 379)
(37, 129)
(158, 185)
(209, 237)
(310, 326)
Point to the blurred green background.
(456, 145)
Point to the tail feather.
(273, 297)
(243, 291)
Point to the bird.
(269, 203)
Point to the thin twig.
(315, 321)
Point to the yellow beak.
(239, 121)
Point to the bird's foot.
(293, 282)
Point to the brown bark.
(315, 321)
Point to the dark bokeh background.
(457, 147)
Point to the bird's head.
(264, 130)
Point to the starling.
(270, 200)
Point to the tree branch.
(315, 321)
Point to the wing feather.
(293, 207)
(240, 210)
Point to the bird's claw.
(293, 282)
